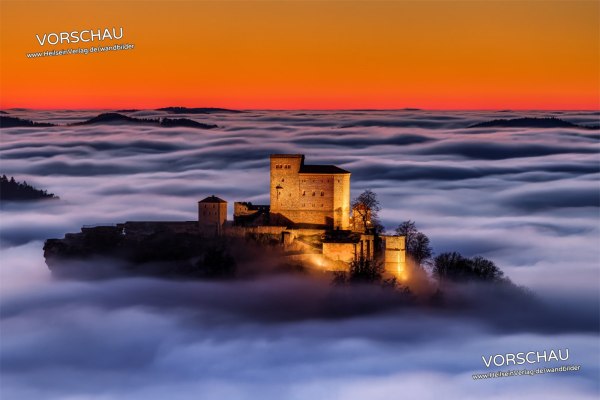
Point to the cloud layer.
(526, 198)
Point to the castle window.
(321, 205)
(314, 193)
(304, 193)
(322, 194)
(282, 180)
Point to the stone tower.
(212, 214)
(395, 255)
(310, 194)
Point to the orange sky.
(308, 54)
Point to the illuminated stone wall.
(395, 255)
(308, 198)
(340, 251)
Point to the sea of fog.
(528, 199)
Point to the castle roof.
(212, 199)
(322, 169)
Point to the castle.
(309, 217)
(309, 214)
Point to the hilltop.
(116, 118)
(113, 117)
(530, 122)
(197, 110)
(14, 122)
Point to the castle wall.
(242, 209)
(395, 255)
(241, 231)
(345, 252)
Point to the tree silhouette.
(417, 243)
(366, 208)
(10, 189)
(360, 271)
(454, 267)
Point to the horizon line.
(300, 109)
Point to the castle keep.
(310, 194)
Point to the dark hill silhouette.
(112, 117)
(197, 110)
(3, 112)
(14, 122)
(116, 118)
(12, 190)
(172, 122)
(529, 122)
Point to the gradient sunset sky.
(308, 55)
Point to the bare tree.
(417, 243)
(366, 208)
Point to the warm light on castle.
(310, 215)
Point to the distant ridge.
(530, 122)
(197, 110)
(116, 118)
(113, 117)
(12, 190)
(14, 122)
(185, 122)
